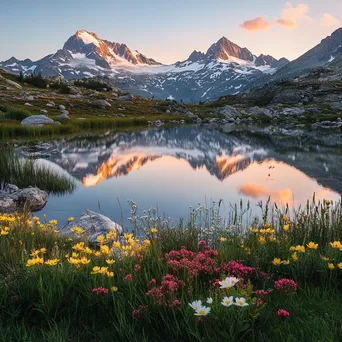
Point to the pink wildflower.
(99, 290)
(128, 277)
(283, 313)
(285, 286)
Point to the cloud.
(288, 23)
(256, 24)
(290, 15)
(327, 20)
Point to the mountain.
(224, 69)
(322, 54)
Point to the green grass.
(26, 172)
(56, 303)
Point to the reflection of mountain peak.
(116, 156)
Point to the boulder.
(28, 104)
(50, 104)
(37, 120)
(93, 223)
(102, 104)
(61, 107)
(62, 117)
(125, 98)
(12, 198)
(44, 111)
(228, 111)
(294, 111)
(257, 111)
(74, 90)
(189, 114)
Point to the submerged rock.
(93, 223)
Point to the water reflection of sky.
(172, 184)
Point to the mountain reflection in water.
(178, 167)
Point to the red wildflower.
(283, 313)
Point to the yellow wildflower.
(312, 245)
(110, 261)
(70, 219)
(294, 256)
(276, 262)
(53, 222)
(262, 240)
(77, 230)
(286, 218)
(4, 232)
(84, 261)
(331, 266)
(52, 262)
(111, 235)
(336, 245)
(339, 265)
(223, 239)
(286, 227)
(285, 262)
(34, 261)
(101, 239)
(79, 247)
(154, 230)
(105, 249)
(114, 288)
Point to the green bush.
(17, 114)
(93, 85)
(33, 79)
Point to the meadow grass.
(25, 172)
(54, 289)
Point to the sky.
(168, 31)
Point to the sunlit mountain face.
(175, 168)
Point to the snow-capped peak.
(88, 37)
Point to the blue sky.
(168, 30)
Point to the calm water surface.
(175, 168)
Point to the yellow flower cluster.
(131, 246)
(52, 262)
(35, 261)
(298, 248)
(76, 259)
(336, 245)
(77, 230)
(312, 245)
(102, 270)
(278, 262)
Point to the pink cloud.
(256, 24)
(327, 20)
(290, 15)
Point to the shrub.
(17, 114)
(33, 79)
(93, 85)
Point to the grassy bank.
(288, 271)
(26, 172)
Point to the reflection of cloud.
(327, 20)
(257, 191)
(290, 15)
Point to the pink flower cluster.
(128, 278)
(236, 269)
(283, 313)
(138, 312)
(195, 263)
(168, 289)
(261, 293)
(285, 286)
(100, 290)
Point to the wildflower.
(110, 261)
(105, 249)
(210, 300)
(4, 232)
(336, 245)
(259, 302)
(117, 244)
(294, 256)
(52, 262)
(101, 239)
(240, 302)
(312, 245)
(286, 227)
(128, 277)
(196, 304)
(276, 262)
(111, 235)
(202, 311)
(285, 286)
(154, 230)
(286, 218)
(228, 282)
(223, 239)
(262, 240)
(34, 261)
(77, 230)
(137, 268)
(227, 301)
(283, 313)
(331, 266)
(298, 248)
(70, 219)
(339, 265)
(100, 290)
(53, 222)
(84, 261)
(114, 289)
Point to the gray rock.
(44, 111)
(295, 111)
(125, 98)
(65, 112)
(61, 107)
(37, 120)
(228, 111)
(74, 90)
(28, 104)
(190, 114)
(102, 104)
(12, 198)
(257, 111)
(93, 223)
(50, 104)
(62, 117)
